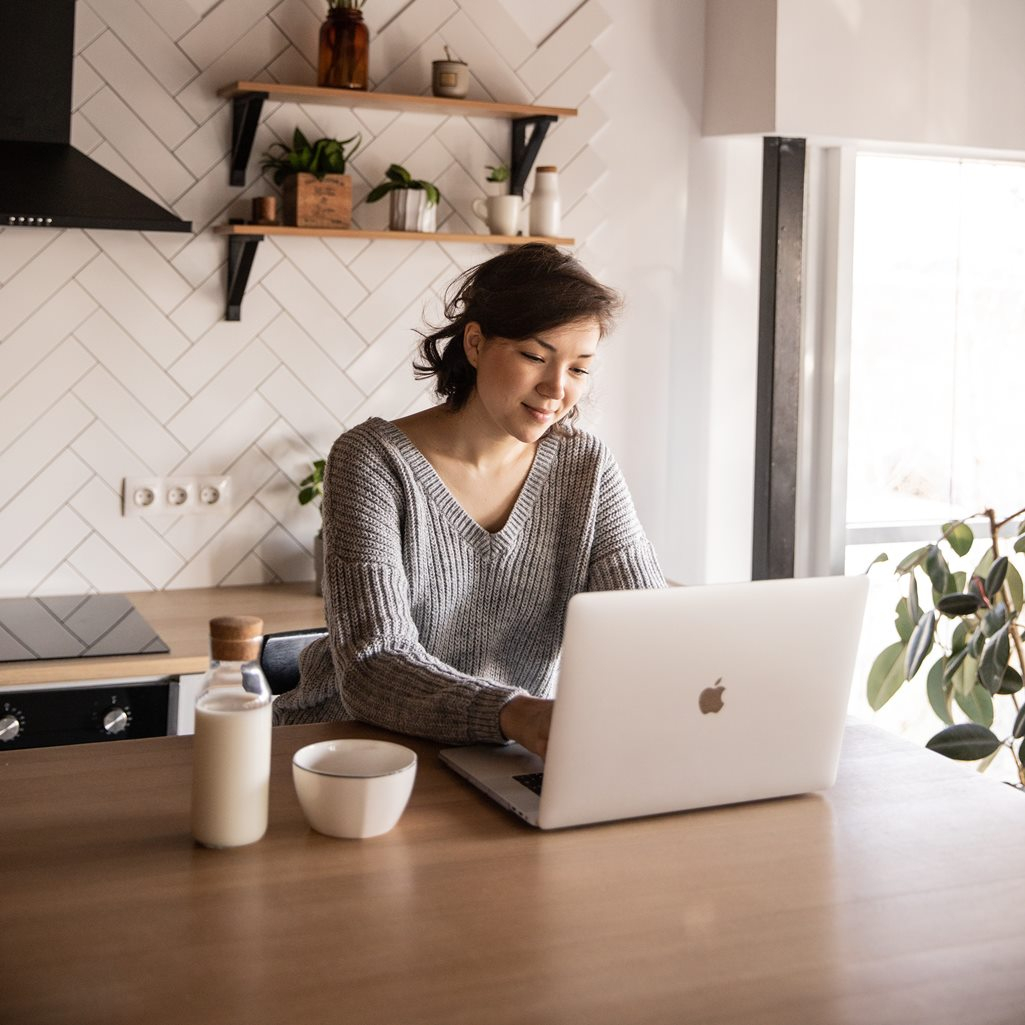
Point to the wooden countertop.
(181, 618)
(895, 898)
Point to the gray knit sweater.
(435, 623)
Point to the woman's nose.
(552, 385)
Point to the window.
(937, 333)
(936, 362)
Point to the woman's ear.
(473, 339)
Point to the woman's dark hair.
(524, 291)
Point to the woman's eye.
(532, 357)
(581, 372)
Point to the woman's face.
(524, 386)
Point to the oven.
(79, 627)
(46, 715)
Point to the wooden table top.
(182, 620)
(896, 897)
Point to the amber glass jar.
(344, 48)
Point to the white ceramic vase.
(411, 211)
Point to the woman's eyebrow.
(551, 348)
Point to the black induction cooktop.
(74, 626)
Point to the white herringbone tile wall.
(114, 357)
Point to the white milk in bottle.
(231, 748)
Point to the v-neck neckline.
(442, 497)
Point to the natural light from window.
(938, 330)
(937, 364)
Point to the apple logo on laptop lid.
(710, 699)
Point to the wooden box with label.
(310, 202)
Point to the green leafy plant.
(972, 628)
(325, 156)
(311, 487)
(397, 177)
(498, 174)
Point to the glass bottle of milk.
(231, 748)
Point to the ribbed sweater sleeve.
(622, 558)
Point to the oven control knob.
(115, 720)
(10, 727)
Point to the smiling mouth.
(540, 414)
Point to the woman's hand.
(527, 721)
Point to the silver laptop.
(686, 698)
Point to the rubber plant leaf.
(938, 688)
(886, 675)
(994, 659)
(958, 604)
(965, 742)
(966, 677)
(954, 662)
(920, 644)
(959, 536)
(961, 636)
(995, 577)
(1013, 583)
(977, 705)
(1011, 682)
(938, 570)
(904, 623)
(914, 608)
(909, 562)
(994, 619)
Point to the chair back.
(279, 656)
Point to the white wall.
(676, 393)
(943, 73)
(115, 360)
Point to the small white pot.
(410, 211)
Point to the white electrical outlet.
(176, 496)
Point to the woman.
(455, 537)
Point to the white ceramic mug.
(500, 213)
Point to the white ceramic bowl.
(353, 788)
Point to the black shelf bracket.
(524, 150)
(241, 252)
(245, 116)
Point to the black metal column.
(779, 359)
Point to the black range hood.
(44, 180)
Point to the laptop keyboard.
(531, 780)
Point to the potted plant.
(414, 203)
(972, 632)
(311, 489)
(496, 179)
(500, 210)
(316, 191)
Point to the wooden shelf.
(391, 101)
(247, 99)
(243, 240)
(405, 236)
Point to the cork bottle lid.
(548, 167)
(235, 638)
